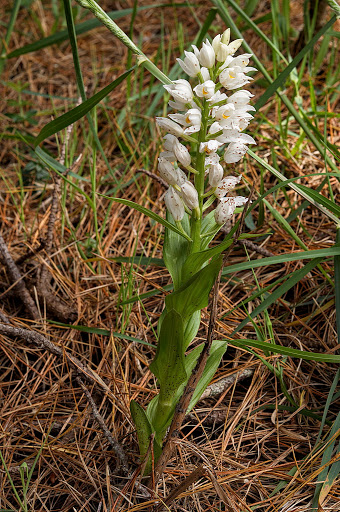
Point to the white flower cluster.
(212, 122)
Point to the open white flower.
(209, 147)
(234, 152)
(233, 78)
(180, 90)
(226, 208)
(205, 90)
(226, 185)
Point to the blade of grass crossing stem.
(118, 32)
(223, 11)
(276, 294)
(280, 80)
(129, 57)
(80, 28)
(301, 191)
(10, 26)
(80, 111)
(79, 77)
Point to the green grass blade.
(223, 12)
(295, 278)
(102, 332)
(280, 80)
(300, 189)
(317, 357)
(150, 214)
(326, 457)
(80, 28)
(10, 27)
(80, 111)
(282, 258)
(220, 5)
(337, 284)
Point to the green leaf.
(80, 111)
(194, 294)
(168, 365)
(218, 348)
(291, 352)
(147, 212)
(144, 431)
(176, 250)
(191, 328)
(196, 260)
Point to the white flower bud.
(205, 74)
(170, 126)
(227, 184)
(205, 90)
(189, 195)
(234, 152)
(167, 171)
(182, 153)
(174, 204)
(206, 55)
(190, 64)
(226, 36)
(168, 155)
(209, 147)
(211, 159)
(226, 208)
(169, 141)
(179, 151)
(180, 90)
(215, 174)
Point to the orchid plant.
(209, 122)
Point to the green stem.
(199, 181)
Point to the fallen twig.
(117, 448)
(15, 276)
(39, 340)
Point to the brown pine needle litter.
(82, 284)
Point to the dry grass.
(249, 449)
